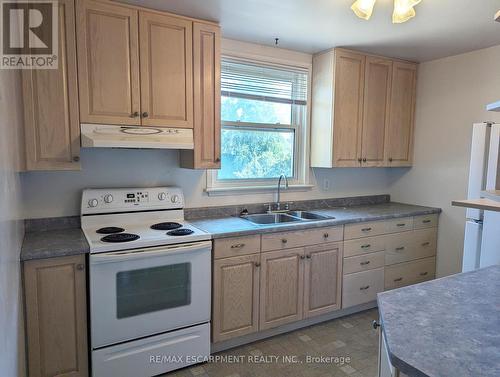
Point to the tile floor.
(350, 336)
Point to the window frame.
(299, 123)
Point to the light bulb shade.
(363, 8)
(403, 10)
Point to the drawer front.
(400, 248)
(362, 287)
(399, 225)
(232, 247)
(287, 240)
(425, 242)
(374, 228)
(363, 262)
(364, 245)
(426, 221)
(408, 273)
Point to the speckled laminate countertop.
(54, 243)
(235, 226)
(448, 327)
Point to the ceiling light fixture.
(363, 8)
(403, 9)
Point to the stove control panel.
(96, 201)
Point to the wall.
(11, 227)
(48, 194)
(451, 96)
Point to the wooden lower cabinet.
(322, 279)
(236, 297)
(281, 287)
(56, 317)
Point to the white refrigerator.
(482, 229)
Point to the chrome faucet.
(278, 202)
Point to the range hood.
(137, 137)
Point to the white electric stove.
(149, 282)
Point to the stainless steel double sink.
(285, 217)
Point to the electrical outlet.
(326, 184)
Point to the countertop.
(64, 242)
(448, 327)
(235, 226)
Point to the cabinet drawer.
(407, 246)
(426, 221)
(231, 247)
(360, 230)
(399, 225)
(363, 262)
(364, 245)
(403, 274)
(287, 240)
(425, 242)
(362, 287)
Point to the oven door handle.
(121, 256)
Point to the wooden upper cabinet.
(166, 54)
(56, 316)
(348, 108)
(399, 132)
(52, 127)
(378, 74)
(108, 58)
(362, 110)
(207, 129)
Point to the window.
(263, 113)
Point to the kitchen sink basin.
(271, 218)
(288, 217)
(304, 215)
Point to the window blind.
(263, 82)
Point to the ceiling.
(441, 27)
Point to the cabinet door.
(108, 59)
(348, 108)
(56, 317)
(378, 74)
(322, 279)
(281, 287)
(166, 70)
(52, 126)
(235, 297)
(399, 132)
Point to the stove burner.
(110, 230)
(166, 226)
(120, 237)
(180, 232)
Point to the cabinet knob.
(364, 288)
(375, 325)
(364, 159)
(238, 246)
(359, 159)
(326, 235)
(424, 273)
(135, 114)
(302, 257)
(366, 229)
(390, 159)
(76, 158)
(217, 159)
(257, 264)
(398, 279)
(145, 114)
(365, 246)
(308, 256)
(364, 263)
(284, 240)
(80, 267)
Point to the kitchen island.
(448, 327)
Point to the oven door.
(143, 292)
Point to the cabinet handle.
(426, 221)
(364, 159)
(424, 273)
(365, 246)
(76, 158)
(302, 257)
(359, 160)
(364, 263)
(145, 114)
(366, 229)
(284, 240)
(134, 114)
(398, 279)
(375, 325)
(257, 264)
(426, 244)
(390, 159)
(237, 246)
(364, 288)
(326, 235)
(401, 248)
(401, 224)
(217, 159)
(308, 256)
(80, 267)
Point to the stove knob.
(175, 199)
(108, 198)
(162, 196)
(93, 202)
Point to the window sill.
(220, 191)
